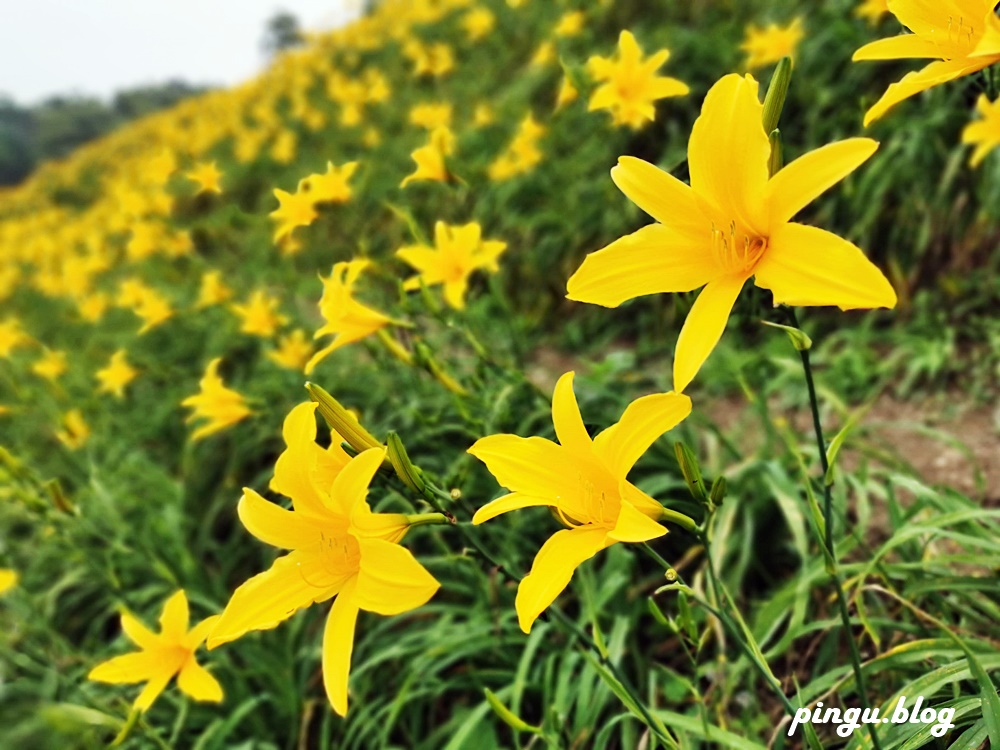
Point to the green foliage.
(140, 511)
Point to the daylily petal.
(644, 420)
(662, 88)
(513, 501)
(566, 416)
(138, 633)
(913, 83)
(151, 692)
(338, 644)
(391, 580)
(197, 682)
(269, 598)
(197, 635)
(533, 466)
(728, 152)
(809, 176)
(898, 48)
(351, 485)
(174, 620)
(553, 568)
(292, 476)
(454, 292)
(924, 16)
(989, 43)
(137, 667)
(809, 266)
(703, 327)
(661, 195)
(274, 525)
(391, 527)
(635, 526)
(652, 260)
(640, 500)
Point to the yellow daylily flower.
(545, 54)
(213, 290)
(51, 365)
(429, 59)
(523, 153)
(984, 132)
(478, 23)
(220, 406)
(347, 320)
(285, 145)
(483, 115)
(294, 210)
(584, 481)
(11, 336)
(961, 36)
(431, 159)
(75, 432)
(630, 84)
(458, 252)
(340, 550)
(567, 94)
(154, 308)
(8, 580)
(769, 44)
(293, 351)
(162, 656)
(431, 115)
(570, 24)
(331, 186)
(206, 176)
(93, 306)
(733, 222)
(872, 10)
(118, 374)
(259, 316)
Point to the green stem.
(653, 724)
(831, 550)
(434, 495)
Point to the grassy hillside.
(208, 232)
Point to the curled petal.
(268, 599)
(553, 568)
(643, 421)
(703, 327)
(338, 644)
(652, 260)
(809, 266)
(811, 175)
(532, 466)
(196, 681)
(275, 525)
(174, 620)
(635, 526)
(391, 580)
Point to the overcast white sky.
(100, 46)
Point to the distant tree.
(143, 100)
(65, 122)
(282, 31)
(18, 152)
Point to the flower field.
(518, 373)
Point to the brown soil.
(945, 438)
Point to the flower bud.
(777, 90)
(411, 475)
(691, 472)
(718, 493)
(341, 420)
(798, 337)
